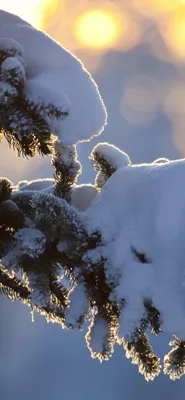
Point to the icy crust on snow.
(141, 209)
(53, 73)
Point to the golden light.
(30, 11)
(99, 28)
(174, 32)
(156, 7)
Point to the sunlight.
(153, 7)
(30, 11)
(175, 32)
(99, 28)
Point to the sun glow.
(99, 28)
(30, 11)
(175, 32)
(155, 8)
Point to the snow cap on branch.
(31, 241)
(12, 71)
(54, 73)
(106, 159)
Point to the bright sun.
(31, 10)
(98, 28)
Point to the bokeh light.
(99, 28)
(174, 32)
(174, 100)
(172, 104)
(156, 7)
(140, 99)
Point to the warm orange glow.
(99, 28)
(30, 11)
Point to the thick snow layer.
(79, 306)
(141, 209)
(54, 72)
(97, 335)
(38, 184)
(81, 195)
(112, 154)
(32, 241)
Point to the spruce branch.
(13, 287)
(153, 317)
(6, 188)
(174, 361)
(9, 47)
(106, 159)
(67, 169)
(103, 167)
(140, 351)
(42, 236)
(24, 123)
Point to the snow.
(67, 156)
(10, 45)
(81, 195)
(97, 335)
(112, 154)
(100, 180)
(79, 306)
(161, 160)
(37, 184)
(6, 90)
(32, 241)
(39, 90)
(25, 361)
(141, 207)
(53, 73)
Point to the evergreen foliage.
(43, 238)
(23, 123)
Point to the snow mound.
(53, 73)
(81, 195)
(140, 214)
(112, 154)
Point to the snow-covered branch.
(110, 255)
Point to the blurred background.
(135, 50)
